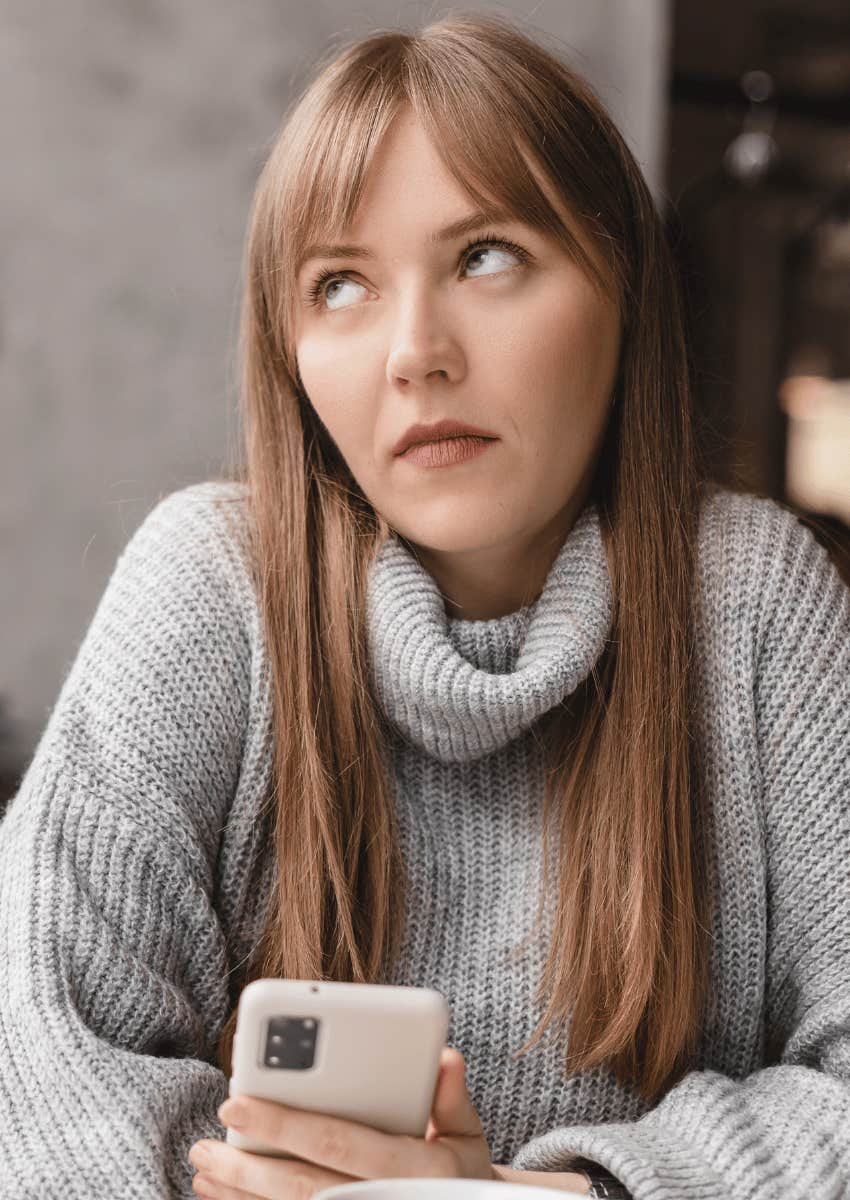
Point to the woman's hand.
(339, 1151)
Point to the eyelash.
(315, 291)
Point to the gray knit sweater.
(135, 866)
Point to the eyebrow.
(467, 224)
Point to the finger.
(432, 1131)
(340, 1145)
(209, 1189)
(226, 1170)
(453, 1113)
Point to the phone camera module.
(290, 1043)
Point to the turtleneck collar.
(460, 689)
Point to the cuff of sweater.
(641, 1158)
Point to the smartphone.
(362, 1051)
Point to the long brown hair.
(628, 958)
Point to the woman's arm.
(784, 1129)
(568, 1181)
(114, 962)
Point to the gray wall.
(131, 136)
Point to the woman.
(556, 727)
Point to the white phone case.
(376, 1052)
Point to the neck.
(489, 582)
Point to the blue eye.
(316, 292)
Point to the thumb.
(453, 1113)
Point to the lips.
(446, 452)
(439, 431)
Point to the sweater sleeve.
(785, 1128)
(113, 985)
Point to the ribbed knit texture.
(135, 865)
(463, 692)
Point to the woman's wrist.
(568, 1181)
(602, 1184)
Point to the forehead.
(545, 209)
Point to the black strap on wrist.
(603, 1185)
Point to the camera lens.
(291, 1043)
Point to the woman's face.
(518, 343)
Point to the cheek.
(574, 349)
(323, 370)
(570, 350)
(335, 390)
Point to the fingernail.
(232, 1111)
(199, 1155)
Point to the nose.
(422, 343)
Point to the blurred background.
(132, 135)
